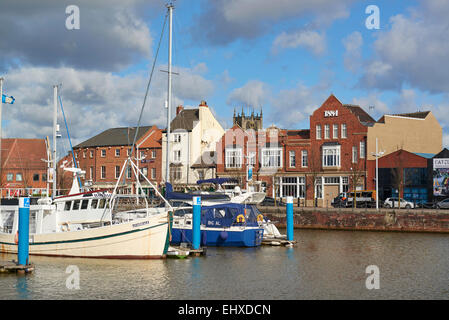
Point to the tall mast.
(55, 116)
(167, 155)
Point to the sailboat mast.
(55, 116)
(167, 156)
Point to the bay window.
(272, 158)
(233, 158)
(331, 156)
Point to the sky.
(284, 57)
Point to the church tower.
(252, 121)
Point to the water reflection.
(22, 287)
(323, 265)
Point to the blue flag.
(6, 99)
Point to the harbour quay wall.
(413, 220)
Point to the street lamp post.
(377, 155)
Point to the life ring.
(16, 237)
(260, 218)
(240, 218)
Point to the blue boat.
(227, 224)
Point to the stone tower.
(253, 121)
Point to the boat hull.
(221, 237)
(138, 239)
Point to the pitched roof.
(185, 120)
(301, 134)
(114, 137)
(24, 153)
(363, 116)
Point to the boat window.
(76, 205)
(67, 206)
(102, 203)
(219, 213)
(84, 204)
(93, 204)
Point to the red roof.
(23, 153)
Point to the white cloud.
(93, 100)
(112, 34)
(254, 94)
(352, 57)
(309, 39)
(225, 21)
(413, 51)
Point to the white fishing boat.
(89, 225)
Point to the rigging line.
(148, 86)
(70, 141)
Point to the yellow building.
(417, 132)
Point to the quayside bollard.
(196, 223)
(24, 231)
(290, 218)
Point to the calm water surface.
(323, 265)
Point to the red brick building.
(103, 156)
(311, 165)
(22, 170)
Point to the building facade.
(102, 157)
(22, 170)
(333, 156)
(193, 134)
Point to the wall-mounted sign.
(330, 113)
(441, 177)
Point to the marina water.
(323, 265)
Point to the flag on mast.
(6, 99)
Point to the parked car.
(269, 202)
(394, 203)
(443, 204)
(364, 199)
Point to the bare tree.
(314, 169)
(357, 174)
(397, 174)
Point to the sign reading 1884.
(330, 113)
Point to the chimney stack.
(179, 109)
(203, 103)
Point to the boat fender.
(240, 218)
(224, 235)
(16, 237)
(260, 218)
